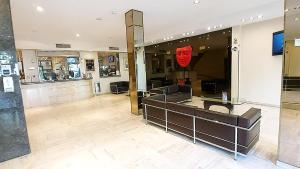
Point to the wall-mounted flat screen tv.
(278, 43)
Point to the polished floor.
(100, 133)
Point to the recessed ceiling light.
(215, 27)
(40, 9)
(260, 16)
(77, 35)
(196, 1)
(192, 32)
(209, 28)
(286, 10)
(171, 37)
(188, 33)
(243, 20)
(296, 19)
(165, 39)
(221, 26)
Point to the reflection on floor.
(101, 133)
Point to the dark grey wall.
(13, 133)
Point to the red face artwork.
(184, 56)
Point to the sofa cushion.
(156, 100)
(181, 108)
(178, 97)
(216, 116)
(172, 89)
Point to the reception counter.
(51, 93)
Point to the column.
(135, 39)
(13, 132)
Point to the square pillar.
(135, 36)
(13, 132)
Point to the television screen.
(278, 43)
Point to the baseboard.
(285, 165)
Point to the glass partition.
(209, 72)
(289, 140)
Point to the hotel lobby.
(169, 84)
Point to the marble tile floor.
(100, 133)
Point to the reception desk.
(45, 94)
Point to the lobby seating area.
(234, 133)
(142, 85)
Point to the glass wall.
(289, 140)
(209, 72)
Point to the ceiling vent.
(113, 48)
(63, 45)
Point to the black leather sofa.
(174, 93)
(119, 87)
(237, 134)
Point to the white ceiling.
(63, 19)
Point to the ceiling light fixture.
(77, 35)
(243, 20)
(40, 9)
(260, 16)
(209, 28)
(286, 10)
(215, 27)
(296, 19)
(192, 32)
(196, 1)
(221, 25)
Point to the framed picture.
(90, 65)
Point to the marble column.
(289, 135)
(13, 132)
(135, 36)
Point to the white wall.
(260, 72)
(30, 66)
(104, 82)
